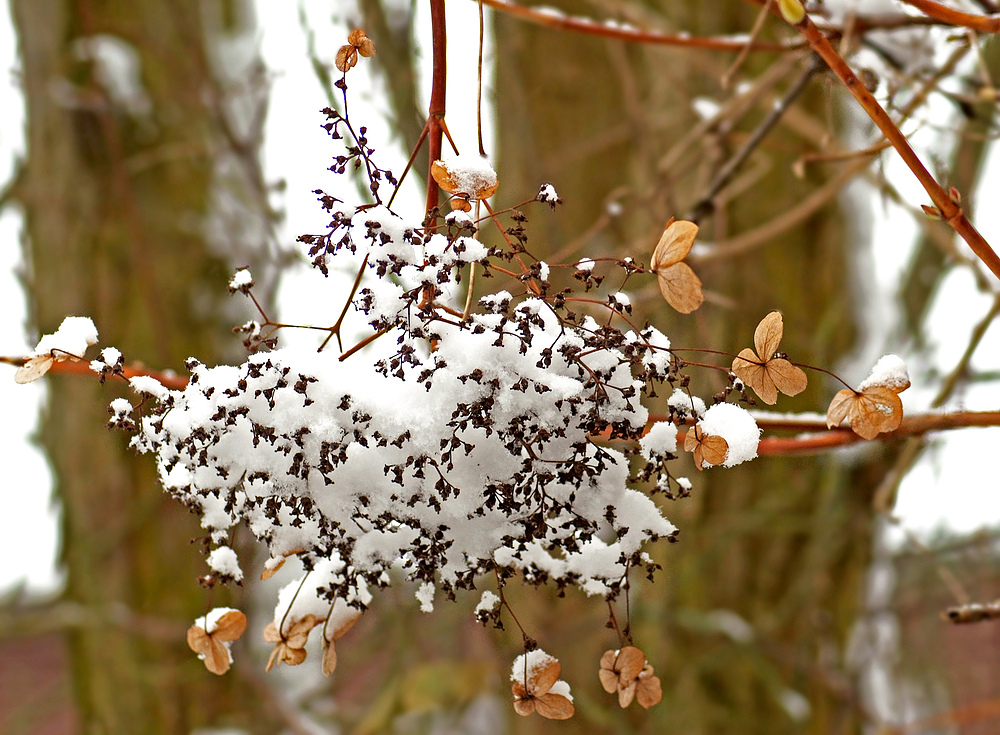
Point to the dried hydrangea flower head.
(537, 687)
(626, 672)
(212, 639)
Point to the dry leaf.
(764, 371)
(212, 646)
(708, 449)
(874, 410)
(680, 287)
(534, 695)
(627, 673)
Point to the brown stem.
(439, 82)
(595, 28)
(950, 211)
(956, 17)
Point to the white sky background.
(956, 483)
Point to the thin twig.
(949, 210)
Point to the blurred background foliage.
(780, 610)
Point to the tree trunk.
(119, 195)
(783, 544)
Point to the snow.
(425, 596)
(527, 665)
(150, 386)
(471, 174)
(74, 335)
(547, 194)
(487, 602)
(686, 405)
(660, 440)
(211, 619)
(241, 279)
(890, 371)
(586, 265)
(224, 561)
(111, 356)
(734, 424)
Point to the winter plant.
(475, 437)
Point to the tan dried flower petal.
(366, 48)
(626, 693)
(524, 707)
(34, 368)
(543, 677)
(483, 188)
(675, 243)
(680, 287)
(708, 449)
(290, 649)
(230, 626)
(214, 653)
(648, 690)
(271, 571)
(347, 57)
(534, 695)
(554, 707)
(609, 680)
(630, 662)
(339, 633)
(356, 37)
(764, 372)
(874, 410)
(329, 657)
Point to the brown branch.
(168, 378)
(973, 612)
(949, 210)
(439, 84)
(952, 17)
(826, 439)
(635, 35)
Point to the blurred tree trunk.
(782, 544)
(133, 197)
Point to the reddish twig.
(626, 33)
(950, 16)
(439, 84)
(950, 211)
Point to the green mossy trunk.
(116, 207)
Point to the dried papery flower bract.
(679, 285)
(342, 618)
(357, 43)
(537, 687)
(467, 176)
(765, 371)
(211, 639)
(290, 647)
(69, 342)
(627, 673)
(875, 407)
(707, 448)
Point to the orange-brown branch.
(949, 210)
(937, 11)
(627, 33)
